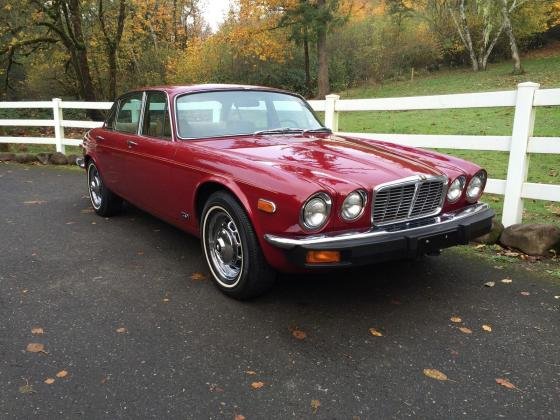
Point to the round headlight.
(456, 189)
(476, 186)
(316, 211)
(353, 206)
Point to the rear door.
(150, 157)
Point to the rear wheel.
(103, 201)
(232, 250)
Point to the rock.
(25, 157)
(44, 158)
(58, 158)
(491, 237)
(5, 156)
(532, 239)
(72, 159)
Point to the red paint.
(164, 176)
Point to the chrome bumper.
(417, 227)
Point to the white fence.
(515, 188)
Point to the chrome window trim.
(168, 103)
(411, 180)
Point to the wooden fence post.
(523, 123)
(58, 128)
(331, 115)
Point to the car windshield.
(237, 112)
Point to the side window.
(128, 116)
(156, 116)
(110, 121)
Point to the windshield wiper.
(318, 130)
(285, 130)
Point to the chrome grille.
(408, 200)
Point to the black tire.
(232, 251)
(104, 202)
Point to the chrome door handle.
(131, 143)
(100, 138)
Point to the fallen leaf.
(198, 276)
(375, 332)
(435, 374)
(86, 211)
(506, 281)
(70, 223)
(257, 385)
(505, 383)
(315, 404)
(250, 372)
(239, 417)
(490, 284)
(166, 300)
(511, 254)
(215, 388)
(36, 348)
(480, 246)
(35, 202)
(487, 328)
(62, 374)
(26, 389)
(121, 330)
(299, 334)
(465, 330)
(49, 381)
(525, 293)
(37, 330)
(556, 297)
(455, 319)
(140, 253)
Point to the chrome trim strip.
(289, 243)
(411, 180)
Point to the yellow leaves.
(35, 348)
(62, 374)
(198, 276)
(27, 388)
(121, 330)
(435, 374)
(37, 331)
(455, 319)
(465, 330)
(49, 381)
(487, 328)
(505, 383)
(375, 333)
(315, 404)
(257, 385)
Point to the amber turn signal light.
(266, 205)
(322, 257)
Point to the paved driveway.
(139, 338)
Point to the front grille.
(410, 200)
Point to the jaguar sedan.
(254, 173)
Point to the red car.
(255, 174)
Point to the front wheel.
(232, 250)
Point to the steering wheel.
(291, 123)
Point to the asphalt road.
(190, 352)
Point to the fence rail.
(515, 188)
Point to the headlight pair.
(317, 209)
(473, 191)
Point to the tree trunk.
(517, 69)
(306, 61)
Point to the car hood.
(331, 159)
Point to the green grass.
(490, 121)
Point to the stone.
(58, 158)
(6, 156)
(532, 239)
(44, 158)
(25, 157)
(491, 237)
(72, 159)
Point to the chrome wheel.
(223, 246)
(95, 187)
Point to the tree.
(506, 10)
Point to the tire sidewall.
(92, 165)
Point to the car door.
(150, 157)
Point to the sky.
(214, 11)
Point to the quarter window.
(156, 116)
(128, 116)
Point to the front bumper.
(398, 241)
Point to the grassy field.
(492, 121)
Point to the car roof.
(210, 87)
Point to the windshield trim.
(271, 90)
